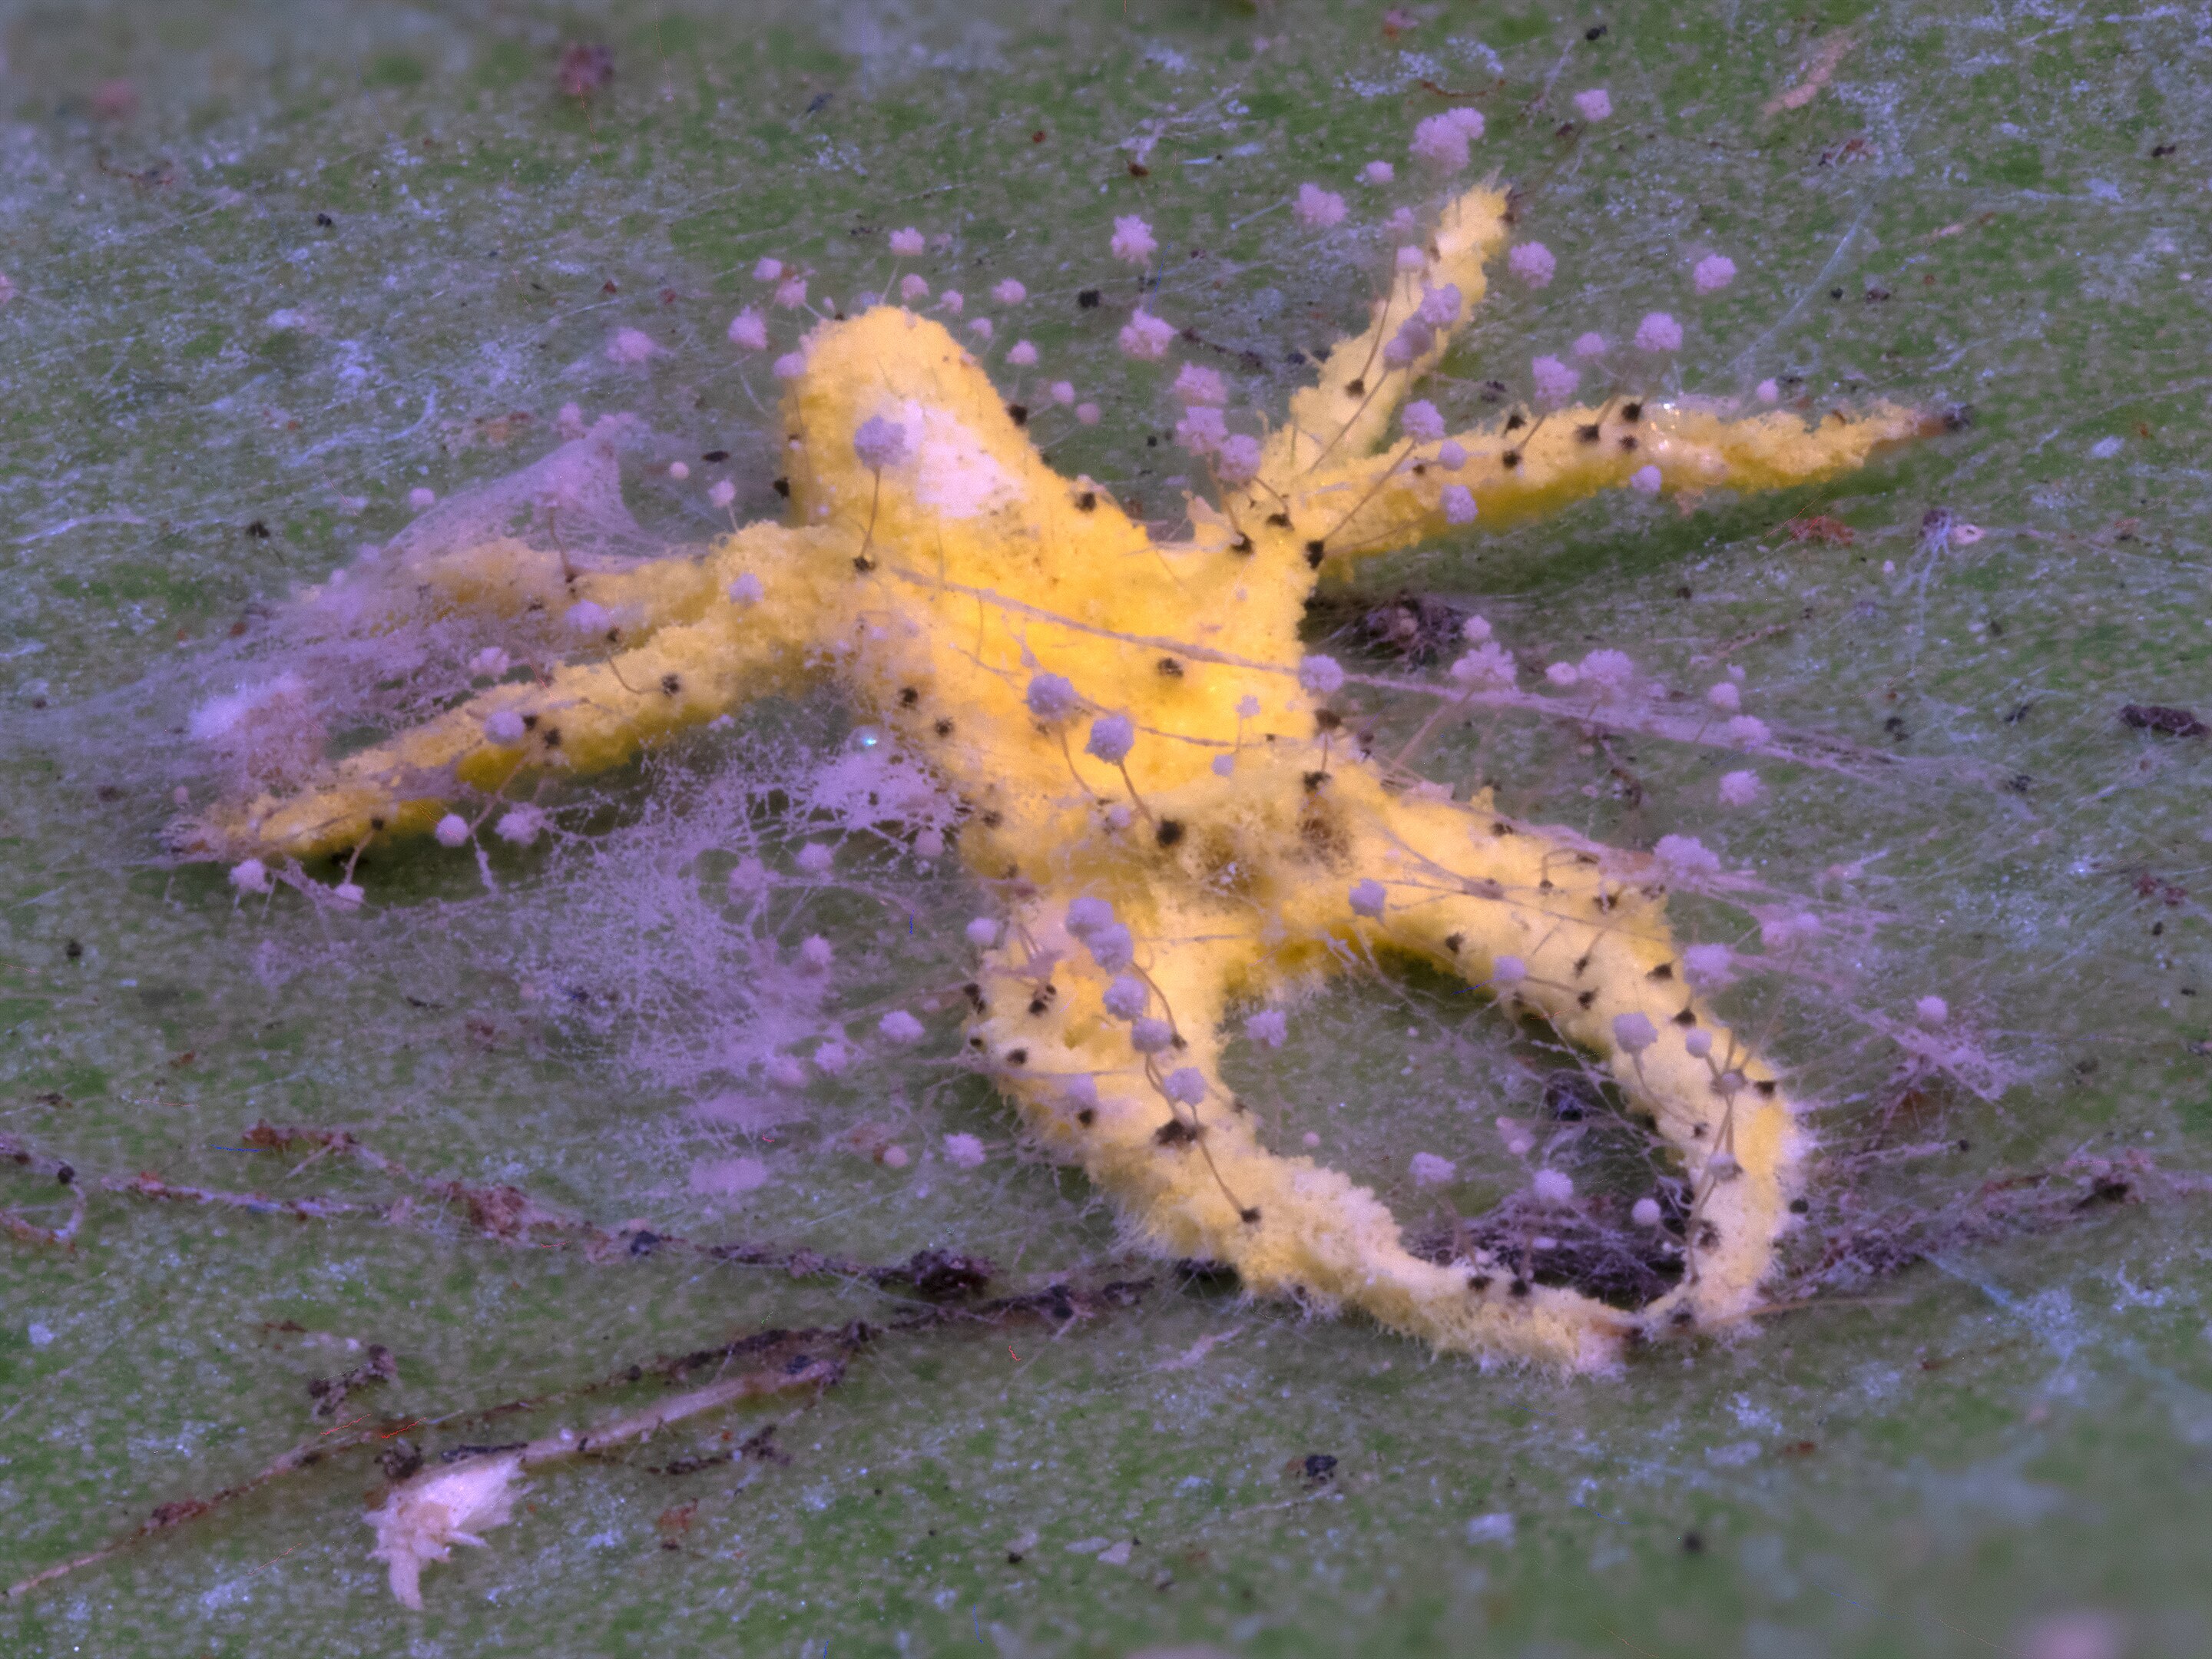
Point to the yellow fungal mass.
(935, 589)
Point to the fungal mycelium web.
(1154, 783)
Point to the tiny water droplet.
(864, 739)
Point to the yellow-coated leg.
(586, 716)
(1396, 498)
(1161, 1131)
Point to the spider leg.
(1163, 1134)
(1464, 889)
(1348, 410)
(1396, 498)
(587, 716)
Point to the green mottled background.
(2019, 1432)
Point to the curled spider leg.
(1465, 888)
(585, 717)
(1190, 1164)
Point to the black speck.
(1693, 1544)
(943, 728)
(783, 488)
(2166, 721)
(1171, 831)
(258, 530)
(715, 455)
(326, 222)
(1087, 300)
(1018, 413)
(1835, 293)
(1355, 389)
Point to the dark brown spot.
(1632, 411)
(993, 820)
(1515, 421)
(1586, 998)
(552, 737)
(1171, 831)
(1087, 300)
(1017, 1056)
(1086, 1117)
(943, 728)
(715, 455)
(863, 563)
(1588, 434)
(1626, 442)
(783, 488)
(669, 685)
(1664, 970)
(1355, 388)
(1685, 1018)
(1314, 781)
(1174, 1133)
(1453, 941)
(1511, 459)
(1480, 1282)
(1315, 552)
(1019, 414)
(909, 696)
(1171, 668)
(1281, 520)
(1327, 719)
(1518, 1287)
(1087, 502)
